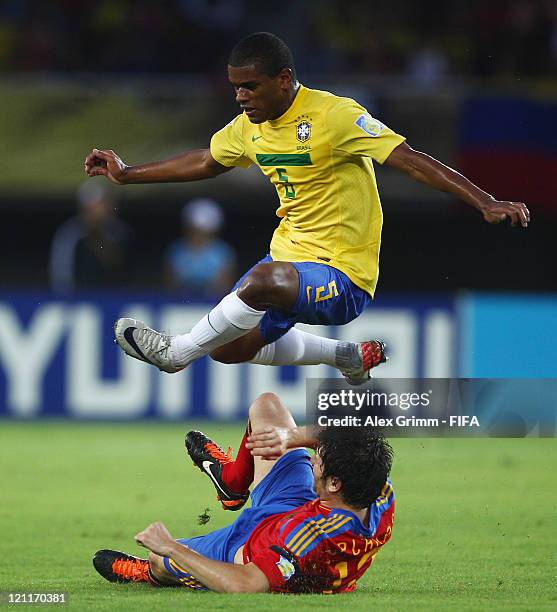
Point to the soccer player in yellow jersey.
(318, 150)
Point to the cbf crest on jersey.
(371, 126)
(303, 130)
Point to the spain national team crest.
(303, 131)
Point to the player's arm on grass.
(215, 575)
(428, 170)
(192, 165)
(272, 442)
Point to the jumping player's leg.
(296, 347)
(267, 285)
(254, 323)
(275, 341)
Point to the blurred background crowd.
(470, 82)
(425, 39)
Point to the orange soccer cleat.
(210, 459)
(119, 567)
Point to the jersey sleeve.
(227, 145)
(288, 573)
(354, 131)
(278, 565)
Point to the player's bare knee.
(267, 400)
(268, 409)
(257, 285)
(270, 284)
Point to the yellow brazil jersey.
(318, 155)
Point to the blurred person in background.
(200, 263)
(90, 249)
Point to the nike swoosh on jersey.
(207, 467)
(254, 138)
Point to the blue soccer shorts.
(326, 296)
(288, 485)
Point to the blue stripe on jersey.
(318, 530)
(341, 524)
(299, 531)
(308, 534)
(284, 526)
(382, 503)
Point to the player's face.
(260, 96)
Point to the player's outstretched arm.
(432, 172)
(272, 442)
(215, 575)
(190, 166)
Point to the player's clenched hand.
(495, 211)
(156, 538)
(269, 443)
(106, 163)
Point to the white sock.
(230, 319)
(297, 347)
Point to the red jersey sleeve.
(278, 565)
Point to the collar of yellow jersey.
(293, 109)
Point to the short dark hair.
(267, 52)
(360, 457)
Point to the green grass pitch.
(474, 529)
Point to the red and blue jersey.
(315, 548)
(299, 542)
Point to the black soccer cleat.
(116, 566)
(210, 459)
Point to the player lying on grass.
(317, 149)
(314, 525)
